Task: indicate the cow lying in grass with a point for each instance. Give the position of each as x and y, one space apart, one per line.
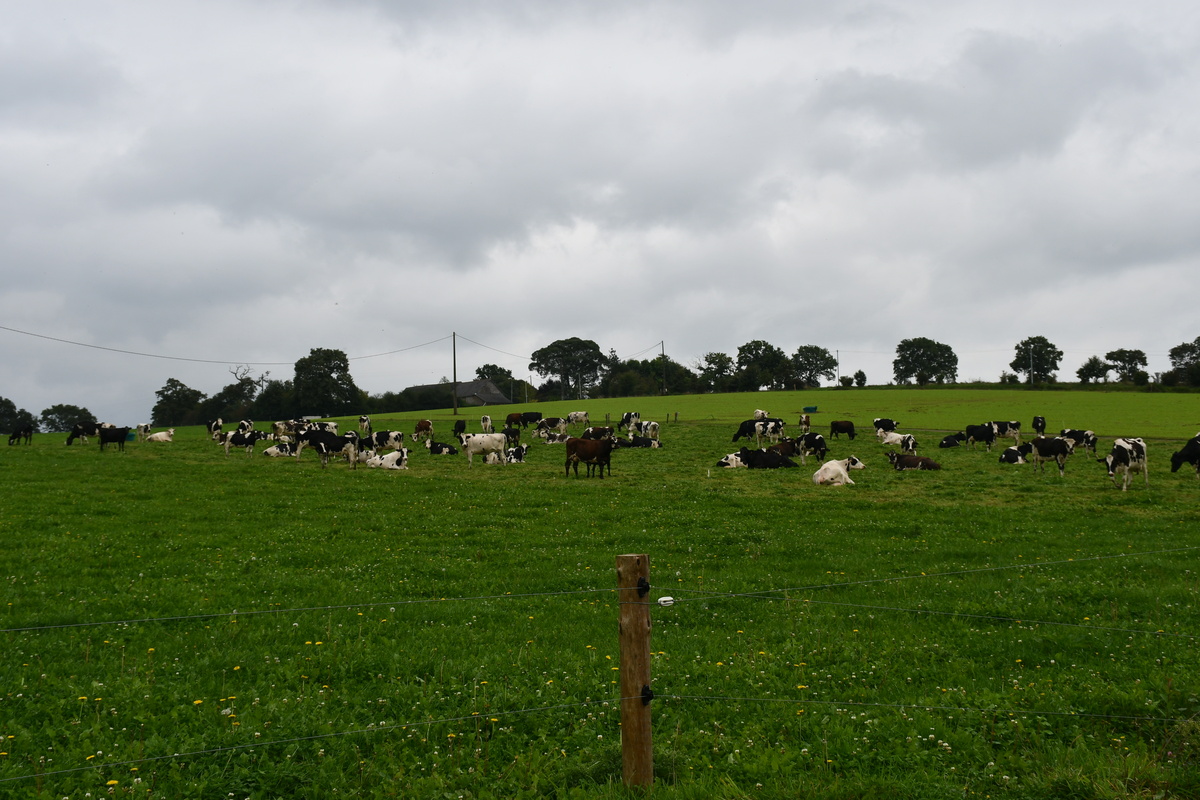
837 473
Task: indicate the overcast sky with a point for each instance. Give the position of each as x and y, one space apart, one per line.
240 181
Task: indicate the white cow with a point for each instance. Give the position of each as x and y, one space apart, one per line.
397 459
161 436
280 450
837 473
579 418
482 443
759 414
485 424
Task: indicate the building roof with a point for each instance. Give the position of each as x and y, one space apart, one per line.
473 393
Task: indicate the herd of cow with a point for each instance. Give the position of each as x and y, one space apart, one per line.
1127 457
594 446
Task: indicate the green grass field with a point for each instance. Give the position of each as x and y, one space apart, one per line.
178 623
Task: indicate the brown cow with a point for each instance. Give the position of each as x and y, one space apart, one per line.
593 452
840 426
597 432
513 420
424 430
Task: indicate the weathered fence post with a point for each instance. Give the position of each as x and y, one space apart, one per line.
633 586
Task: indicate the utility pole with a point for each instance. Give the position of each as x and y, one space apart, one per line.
663 349
454 369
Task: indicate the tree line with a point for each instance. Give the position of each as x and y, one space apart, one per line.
577 368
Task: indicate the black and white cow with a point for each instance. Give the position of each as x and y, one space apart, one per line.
474 444
885 424
82 430
1190 454
981 433
397 459
550 425
1085 439
905 441
511 435
756 459
557 438
1039 426
512 455
244 439
143 430
638 441
1017 454
645 428
364 424
812 444
485 424
579 418
245 425
953 440
440 448
1127 457
214 428
383 440
1056 450
630 417
1010 429
837 473
281 450
327 444
760 429
598 432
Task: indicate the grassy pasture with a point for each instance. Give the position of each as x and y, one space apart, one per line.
445 631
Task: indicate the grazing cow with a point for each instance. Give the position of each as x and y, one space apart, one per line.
162 436
805 423
638 441
481 444
1086 439
885 424
327 444
440 448
280 450
485 424
579 418
214 428
1017 454
630 417
901 461
550 424
558 438
769 428
244 439
592 452
513 420
423 430
530 418
953 440
512 436
841 426
1190 454
364 424
981 433
1127 457
1039 426
143 430
760 415
113 435
1008 430
645 428
598 432
812 444
25 433
397 459
82 430
460 426
380 440
837 473
1056 450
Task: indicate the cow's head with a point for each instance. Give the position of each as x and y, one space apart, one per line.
853 463
731 460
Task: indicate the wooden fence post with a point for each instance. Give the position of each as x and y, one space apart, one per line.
637 751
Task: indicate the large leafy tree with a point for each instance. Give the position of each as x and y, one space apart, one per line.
178 404
760 364
496 374
13 418
234 401
924 360
716 372
576 363
323 385
810 363
62 417
1094 369
1127 363
1037 358
1185 364
275 400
